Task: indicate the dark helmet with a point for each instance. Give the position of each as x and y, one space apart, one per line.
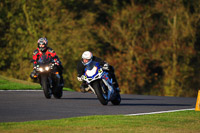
43 41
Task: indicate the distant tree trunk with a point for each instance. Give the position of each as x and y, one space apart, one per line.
174 56
30 28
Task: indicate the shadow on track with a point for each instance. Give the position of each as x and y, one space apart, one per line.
136 99
78 99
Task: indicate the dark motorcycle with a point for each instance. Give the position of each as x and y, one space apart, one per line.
101 83
49 78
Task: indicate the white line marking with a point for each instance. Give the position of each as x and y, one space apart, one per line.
159 112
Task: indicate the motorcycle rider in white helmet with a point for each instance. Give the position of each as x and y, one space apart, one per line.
87 58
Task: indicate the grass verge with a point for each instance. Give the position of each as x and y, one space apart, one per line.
15 84
176 122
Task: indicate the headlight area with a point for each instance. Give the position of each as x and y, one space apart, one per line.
41 69
47 68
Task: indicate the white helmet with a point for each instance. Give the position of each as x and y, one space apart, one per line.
87 55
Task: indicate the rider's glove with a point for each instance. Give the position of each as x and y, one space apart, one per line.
34 67
79 79
106 67
56 62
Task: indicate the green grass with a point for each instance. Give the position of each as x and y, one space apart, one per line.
8 85
176 122
15 84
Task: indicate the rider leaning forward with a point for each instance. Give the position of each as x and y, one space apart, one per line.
87 58
44 50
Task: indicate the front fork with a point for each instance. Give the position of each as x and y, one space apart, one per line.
110 89
91 88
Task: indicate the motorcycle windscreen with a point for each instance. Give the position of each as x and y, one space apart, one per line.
92 72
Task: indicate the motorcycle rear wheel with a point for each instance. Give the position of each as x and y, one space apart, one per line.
100 95
117 99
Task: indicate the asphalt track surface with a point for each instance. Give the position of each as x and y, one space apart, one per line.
19 106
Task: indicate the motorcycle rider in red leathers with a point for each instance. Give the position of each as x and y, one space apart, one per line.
41 50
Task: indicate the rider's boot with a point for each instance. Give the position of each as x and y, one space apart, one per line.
84 87
115 83
116 86
117 89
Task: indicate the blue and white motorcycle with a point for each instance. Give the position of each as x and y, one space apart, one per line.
101 83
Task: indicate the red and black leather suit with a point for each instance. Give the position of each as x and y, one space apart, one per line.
49 52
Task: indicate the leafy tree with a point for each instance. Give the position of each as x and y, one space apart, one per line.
153 44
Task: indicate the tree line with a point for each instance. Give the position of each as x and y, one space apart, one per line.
152 44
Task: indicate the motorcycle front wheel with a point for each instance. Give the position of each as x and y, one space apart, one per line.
45 86
100 94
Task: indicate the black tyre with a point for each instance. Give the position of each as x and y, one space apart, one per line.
100 95
45 86
117 99
58 92
57 89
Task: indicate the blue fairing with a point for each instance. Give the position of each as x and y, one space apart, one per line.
90 67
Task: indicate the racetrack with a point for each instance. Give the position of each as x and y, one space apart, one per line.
18 106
